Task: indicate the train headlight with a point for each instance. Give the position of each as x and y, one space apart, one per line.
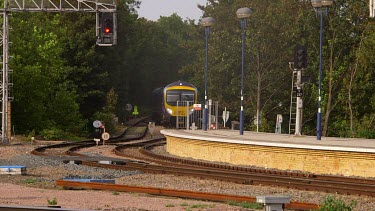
169 111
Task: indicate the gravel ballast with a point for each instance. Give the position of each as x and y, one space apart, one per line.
39 185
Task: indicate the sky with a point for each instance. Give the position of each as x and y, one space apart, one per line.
153 9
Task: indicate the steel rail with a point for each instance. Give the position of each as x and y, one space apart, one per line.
33 208
246 178
176 193
304 183
40 151
224 172
164 159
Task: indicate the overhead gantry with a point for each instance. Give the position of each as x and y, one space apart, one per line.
106 34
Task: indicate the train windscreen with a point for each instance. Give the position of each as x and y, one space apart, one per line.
187 96
179 95
173 96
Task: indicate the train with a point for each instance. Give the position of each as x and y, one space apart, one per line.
175 99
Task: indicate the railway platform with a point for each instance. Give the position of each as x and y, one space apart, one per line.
331 155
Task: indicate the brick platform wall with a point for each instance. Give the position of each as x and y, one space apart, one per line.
314 161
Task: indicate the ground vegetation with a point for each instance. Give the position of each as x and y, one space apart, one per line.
63 81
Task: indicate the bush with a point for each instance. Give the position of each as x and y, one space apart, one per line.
366 134
52 134
332 203
108 119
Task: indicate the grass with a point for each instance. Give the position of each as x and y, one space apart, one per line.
170 205
246 205
52 202
332 203
30 181
201 206
115 193
195 206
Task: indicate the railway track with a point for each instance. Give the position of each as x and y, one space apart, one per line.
176 193
162 164
66 148
247 175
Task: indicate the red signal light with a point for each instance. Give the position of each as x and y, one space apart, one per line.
107 30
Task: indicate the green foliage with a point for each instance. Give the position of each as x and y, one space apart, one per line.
184 204
30 181
341 128
111 101
62 80
31 134
43 92
366 134
115 193
245 205
52 134
52 202
202 206
107 118
331 203
169 205
366 127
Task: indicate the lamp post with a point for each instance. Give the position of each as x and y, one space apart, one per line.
206 23
321 7
242 14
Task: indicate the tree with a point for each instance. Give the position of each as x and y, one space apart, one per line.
271 34
344 32
40 75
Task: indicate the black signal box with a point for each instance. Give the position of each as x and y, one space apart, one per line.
300 57
106 29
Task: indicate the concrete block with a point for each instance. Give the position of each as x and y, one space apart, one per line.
273 203
13 170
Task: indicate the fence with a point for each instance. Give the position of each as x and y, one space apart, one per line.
193 117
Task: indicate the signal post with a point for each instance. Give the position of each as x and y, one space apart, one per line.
300 62
106 33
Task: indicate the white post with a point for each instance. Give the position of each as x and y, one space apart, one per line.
216 114
209 113
177 115
225 113
187 115
97 140
257 120
299 105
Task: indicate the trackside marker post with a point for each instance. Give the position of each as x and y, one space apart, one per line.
105 137
97 141
151 127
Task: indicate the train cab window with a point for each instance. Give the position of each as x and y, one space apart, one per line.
177 95
173 96
187 96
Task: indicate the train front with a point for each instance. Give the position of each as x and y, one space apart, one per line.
179 98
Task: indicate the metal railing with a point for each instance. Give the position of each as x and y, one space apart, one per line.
192 117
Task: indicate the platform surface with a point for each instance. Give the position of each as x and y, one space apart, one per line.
277 140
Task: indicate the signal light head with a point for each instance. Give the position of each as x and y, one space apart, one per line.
107 30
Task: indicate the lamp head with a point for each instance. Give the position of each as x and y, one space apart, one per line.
207 21
327 3
316 3
244 12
